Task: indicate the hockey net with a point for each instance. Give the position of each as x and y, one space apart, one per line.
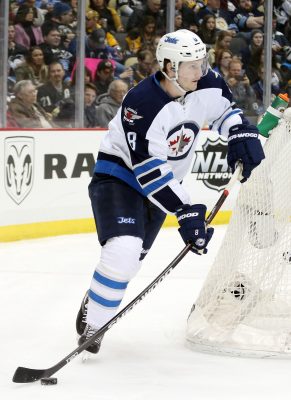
244 307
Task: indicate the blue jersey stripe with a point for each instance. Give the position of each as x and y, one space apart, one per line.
157 184
151 164
111 168
109 282
104 302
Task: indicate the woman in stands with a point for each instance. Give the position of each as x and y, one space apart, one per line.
26 34
34 67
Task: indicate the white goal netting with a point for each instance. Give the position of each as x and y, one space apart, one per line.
244 307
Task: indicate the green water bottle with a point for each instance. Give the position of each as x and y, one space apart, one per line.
274 112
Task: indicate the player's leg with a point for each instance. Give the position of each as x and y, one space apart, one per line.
154 218
119 215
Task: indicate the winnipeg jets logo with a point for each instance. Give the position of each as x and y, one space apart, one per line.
171 39
130 115
181 139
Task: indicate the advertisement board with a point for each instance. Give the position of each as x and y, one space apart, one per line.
44 177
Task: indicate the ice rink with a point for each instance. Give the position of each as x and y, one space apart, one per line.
143 356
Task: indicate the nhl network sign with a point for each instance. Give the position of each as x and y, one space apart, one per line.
210 164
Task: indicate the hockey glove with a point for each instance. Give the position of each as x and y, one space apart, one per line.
244 146
193 228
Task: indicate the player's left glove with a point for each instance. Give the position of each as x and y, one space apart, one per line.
244 146
193 227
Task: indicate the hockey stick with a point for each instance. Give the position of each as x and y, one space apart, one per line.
26 375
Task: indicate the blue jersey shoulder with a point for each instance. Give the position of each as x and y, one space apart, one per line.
142 104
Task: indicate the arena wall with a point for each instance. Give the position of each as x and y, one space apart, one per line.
44 177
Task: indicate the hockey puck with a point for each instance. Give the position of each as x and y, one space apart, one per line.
49 381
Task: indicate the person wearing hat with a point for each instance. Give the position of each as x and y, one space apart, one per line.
108 14
96 47
104 76
62 17
93 22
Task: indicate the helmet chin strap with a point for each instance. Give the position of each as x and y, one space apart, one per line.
175 82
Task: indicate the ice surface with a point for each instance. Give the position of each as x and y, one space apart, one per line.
143 356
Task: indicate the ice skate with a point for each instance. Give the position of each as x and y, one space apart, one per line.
81 319
94 347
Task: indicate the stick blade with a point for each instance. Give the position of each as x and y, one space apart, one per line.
26 375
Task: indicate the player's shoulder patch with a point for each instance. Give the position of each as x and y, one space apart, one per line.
142 104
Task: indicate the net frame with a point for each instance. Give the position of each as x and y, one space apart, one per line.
244 307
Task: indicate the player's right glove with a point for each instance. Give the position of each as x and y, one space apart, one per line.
244 146
193 227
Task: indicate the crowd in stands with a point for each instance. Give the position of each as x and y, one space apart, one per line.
120 44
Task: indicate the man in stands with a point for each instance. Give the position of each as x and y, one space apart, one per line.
24 111
109 103
51 93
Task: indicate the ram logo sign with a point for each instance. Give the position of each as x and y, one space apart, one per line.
19 165
210 164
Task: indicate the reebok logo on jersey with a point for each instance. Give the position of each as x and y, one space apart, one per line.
188 215
123 220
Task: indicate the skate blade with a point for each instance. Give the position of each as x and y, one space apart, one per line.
86 356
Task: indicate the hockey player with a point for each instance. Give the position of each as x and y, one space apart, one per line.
143 160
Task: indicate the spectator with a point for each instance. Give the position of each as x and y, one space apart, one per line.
207 30
247 18
153 8
256 42
178 21
38 15
26 34
33 68
65 116
93 23
16 52
61 17
142 38
96 47
24 111
222 62
87 76
280 44
258 86
108 15
254 65
223 41
223 18
143 68
188 16
242 92
54 50
51 93
104 76
90 114
109 103
133 42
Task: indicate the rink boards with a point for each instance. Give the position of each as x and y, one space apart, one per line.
44 177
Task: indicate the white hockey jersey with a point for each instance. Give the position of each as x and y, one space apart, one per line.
152 138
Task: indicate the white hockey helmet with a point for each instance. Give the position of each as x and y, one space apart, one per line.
179 46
